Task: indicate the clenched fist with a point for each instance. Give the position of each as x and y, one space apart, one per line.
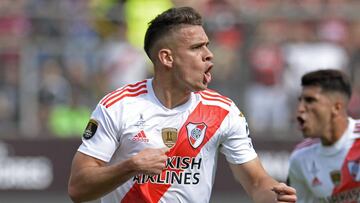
150 161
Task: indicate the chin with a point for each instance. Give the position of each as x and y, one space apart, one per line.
309 135
199 88
203 88
306 134
205 84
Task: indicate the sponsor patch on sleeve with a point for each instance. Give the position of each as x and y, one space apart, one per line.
241 114
90 129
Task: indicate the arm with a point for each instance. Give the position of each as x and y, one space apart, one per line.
91 178
259 185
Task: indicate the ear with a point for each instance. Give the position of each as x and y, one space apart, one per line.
165 57
337 107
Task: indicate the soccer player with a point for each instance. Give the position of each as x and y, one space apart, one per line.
157 140
325 166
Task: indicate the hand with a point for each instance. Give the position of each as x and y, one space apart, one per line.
150 161
284 193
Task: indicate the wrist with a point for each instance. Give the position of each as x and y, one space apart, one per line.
130 166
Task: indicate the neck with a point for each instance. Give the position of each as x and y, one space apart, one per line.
169 95
336 131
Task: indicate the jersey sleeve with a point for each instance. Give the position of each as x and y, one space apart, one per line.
236 144
101 141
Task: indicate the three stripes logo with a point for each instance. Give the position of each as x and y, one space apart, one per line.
140 137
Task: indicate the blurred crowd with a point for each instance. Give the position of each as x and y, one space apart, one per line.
58 58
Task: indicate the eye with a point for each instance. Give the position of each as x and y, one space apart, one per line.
309 99
200 45
197 46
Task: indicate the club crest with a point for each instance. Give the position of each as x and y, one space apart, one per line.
169 136
335 177
354 167
196 133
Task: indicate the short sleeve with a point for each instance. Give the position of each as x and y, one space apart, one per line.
100 137
236 144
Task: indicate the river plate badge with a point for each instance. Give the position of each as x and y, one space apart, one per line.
169 136
196 133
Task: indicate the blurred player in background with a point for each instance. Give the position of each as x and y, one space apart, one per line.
157 140
325 166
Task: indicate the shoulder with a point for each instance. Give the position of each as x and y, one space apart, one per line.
130 91
235 120
306 144
304 148
211 97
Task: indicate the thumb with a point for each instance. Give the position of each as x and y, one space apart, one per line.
165 149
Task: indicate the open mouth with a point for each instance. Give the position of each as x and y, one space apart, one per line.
301 122
207 77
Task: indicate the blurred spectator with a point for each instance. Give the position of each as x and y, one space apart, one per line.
81 38
65 99
69 120
334 30
138 14
45 20
227 39
94 54
9 98
54 89
310 7
354 65
305 52
120 62
257 8
354 105
14 27
266 104
7 110
355 50
79 76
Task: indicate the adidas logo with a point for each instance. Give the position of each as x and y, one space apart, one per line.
140 137
316 182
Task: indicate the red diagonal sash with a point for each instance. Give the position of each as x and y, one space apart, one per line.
348 182
212 116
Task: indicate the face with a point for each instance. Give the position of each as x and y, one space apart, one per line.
314 112
191 58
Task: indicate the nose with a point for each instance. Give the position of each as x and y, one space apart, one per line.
300 107
208 55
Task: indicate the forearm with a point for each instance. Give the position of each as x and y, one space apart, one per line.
92 182
91 178
256 182
262 190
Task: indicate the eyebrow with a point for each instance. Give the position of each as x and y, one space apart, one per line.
200 44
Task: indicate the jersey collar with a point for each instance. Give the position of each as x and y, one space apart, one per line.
180 108
340 144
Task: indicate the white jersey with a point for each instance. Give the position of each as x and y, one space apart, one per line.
328 173
131 118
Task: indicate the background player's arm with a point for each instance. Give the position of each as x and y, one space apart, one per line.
259 185
92 178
